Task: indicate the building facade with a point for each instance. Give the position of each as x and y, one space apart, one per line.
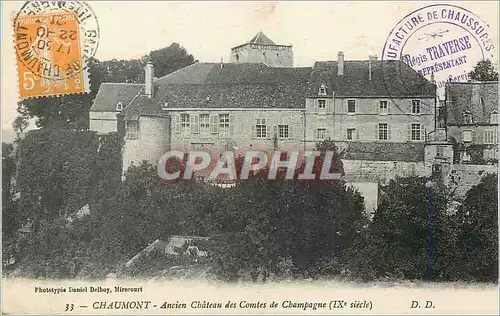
261 49
254 105
472 121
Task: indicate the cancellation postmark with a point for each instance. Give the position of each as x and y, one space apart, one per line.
53 43
441 42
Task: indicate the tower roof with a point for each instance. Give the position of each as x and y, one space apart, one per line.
262 39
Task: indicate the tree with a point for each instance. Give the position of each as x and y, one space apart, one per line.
477 240
72 111
19 125
279 226
10 221
484 71
395 245
170 59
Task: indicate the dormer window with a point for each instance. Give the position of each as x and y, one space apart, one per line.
467 117
119 107
494 117
322 90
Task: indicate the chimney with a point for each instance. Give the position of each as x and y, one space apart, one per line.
476 95
148 84
221 63
340 64
371 58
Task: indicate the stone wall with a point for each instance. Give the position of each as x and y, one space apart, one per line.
366 118
241 132
462 177
103 122
383 171
152 142
271 55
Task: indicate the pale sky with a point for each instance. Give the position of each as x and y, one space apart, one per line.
208 30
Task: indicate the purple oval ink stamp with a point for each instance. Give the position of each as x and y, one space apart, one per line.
443 41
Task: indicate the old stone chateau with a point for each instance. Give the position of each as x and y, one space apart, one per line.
387 125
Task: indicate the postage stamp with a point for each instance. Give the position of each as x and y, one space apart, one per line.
49 57
53 42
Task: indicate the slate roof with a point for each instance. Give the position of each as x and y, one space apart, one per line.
236 95
142 105
110 94
246 85
193 74
262 39
479 98
382 151
255 85
389 78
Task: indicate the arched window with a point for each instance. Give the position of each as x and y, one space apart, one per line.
119 106
467 117
494 117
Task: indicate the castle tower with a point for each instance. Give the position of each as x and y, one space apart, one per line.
261 49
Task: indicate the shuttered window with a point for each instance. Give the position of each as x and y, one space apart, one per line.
204 123
490 137
383 131
351 134
415 106
322 106
415 132
467 136
132 130
185 124
224 124
261 128
351 106
321 133
383 107
214 124
195 123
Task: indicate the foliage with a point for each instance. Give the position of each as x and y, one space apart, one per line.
72 111
477 240
170 59
484 71
10 221
399 233
57 249
395 245
263 223
261 229
54 172
19 125
476 153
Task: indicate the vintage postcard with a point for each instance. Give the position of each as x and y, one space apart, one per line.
289 157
